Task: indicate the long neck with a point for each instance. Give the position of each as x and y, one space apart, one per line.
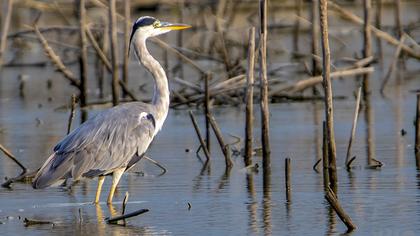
161 90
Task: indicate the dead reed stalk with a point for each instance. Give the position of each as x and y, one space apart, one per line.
5 29
335 204
72 111
417 143
379 33
378 24
393 65
398 25
223 145
200 138
323 10
265 122
316 64
288 173
208 77
127 23
114 51
83 54
249 109
353 127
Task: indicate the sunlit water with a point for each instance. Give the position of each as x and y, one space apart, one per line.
384 201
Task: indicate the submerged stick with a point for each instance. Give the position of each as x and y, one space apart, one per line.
265 122
29 222
326 61
5 29
249 109
114 51
200 138
72 111
114 220
223 145
157 164
335 204
353 127
288 179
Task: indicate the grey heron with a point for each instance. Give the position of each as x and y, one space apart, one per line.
114 140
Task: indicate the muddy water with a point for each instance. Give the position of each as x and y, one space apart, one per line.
381 202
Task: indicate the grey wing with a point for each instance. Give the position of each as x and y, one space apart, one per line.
100 145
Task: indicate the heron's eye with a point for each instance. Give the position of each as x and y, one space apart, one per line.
156 24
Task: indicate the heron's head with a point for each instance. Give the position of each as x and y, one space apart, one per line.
147 26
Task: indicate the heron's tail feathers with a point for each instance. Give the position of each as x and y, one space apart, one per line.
55 168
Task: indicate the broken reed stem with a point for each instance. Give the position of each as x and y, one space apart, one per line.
83 54
5 29
288 179
323 9
393 64
249 109
379 33
200 138
335 204
353 127
13 158
208 77
417 143
325 165
72 111
114 51
127 15
55 59
316 66
265 126
223 145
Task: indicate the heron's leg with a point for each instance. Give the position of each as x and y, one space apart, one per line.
99 188
116 176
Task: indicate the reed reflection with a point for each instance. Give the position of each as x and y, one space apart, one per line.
252 205
267 201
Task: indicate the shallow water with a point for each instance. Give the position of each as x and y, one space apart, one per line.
385 201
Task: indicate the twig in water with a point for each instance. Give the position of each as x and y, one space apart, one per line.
29 222
288 178
335 204
200 138
124 203
314 167
157 164
114 220
223 145
249 109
